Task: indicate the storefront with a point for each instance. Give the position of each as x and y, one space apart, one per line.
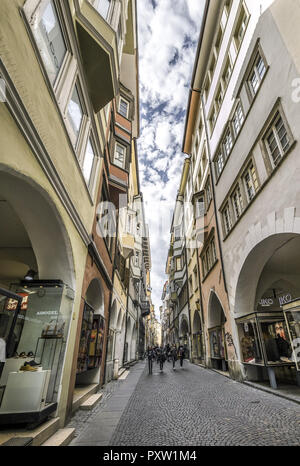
218 353
266 346
35 333
291 313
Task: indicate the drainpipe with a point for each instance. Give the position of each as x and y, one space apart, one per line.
213 189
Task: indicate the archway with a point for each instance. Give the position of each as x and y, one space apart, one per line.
215 324
184 338
33 236
128 340
91 349
263 334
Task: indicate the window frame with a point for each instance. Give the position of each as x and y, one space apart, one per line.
123 167
119 107
278 114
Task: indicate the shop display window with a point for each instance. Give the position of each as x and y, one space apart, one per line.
36 335
91 340
276 342
249 341
217 345
292 317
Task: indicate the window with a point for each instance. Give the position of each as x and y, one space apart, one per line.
75 115
102 6
227 72
196 278
178 263
209 258
137 259
208 192
200 207
277 139
227 142
50 40
238 119
219 163
88 162
256 75
241 28
227 219
237 202
251 182
123 108
120 154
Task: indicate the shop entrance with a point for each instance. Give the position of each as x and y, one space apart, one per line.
91 342
184 336
216 330
198 352
265 339
36 264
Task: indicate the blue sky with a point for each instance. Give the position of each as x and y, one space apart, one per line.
168 37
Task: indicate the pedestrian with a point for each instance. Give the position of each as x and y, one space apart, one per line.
150 356
168 352
174 355
161 358
181 355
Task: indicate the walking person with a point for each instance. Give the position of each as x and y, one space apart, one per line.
181 355
174 355
150 356
161 358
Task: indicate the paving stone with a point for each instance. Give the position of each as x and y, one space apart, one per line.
192 406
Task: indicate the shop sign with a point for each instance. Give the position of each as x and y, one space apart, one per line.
12 304
266 302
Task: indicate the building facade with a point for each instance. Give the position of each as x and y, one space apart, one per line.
241 136
69 177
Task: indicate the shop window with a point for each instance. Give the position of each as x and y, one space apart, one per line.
35 337
178 264
292 317
91 341
276 342
249 341
217 344
277 140
120 155
49 38
208 193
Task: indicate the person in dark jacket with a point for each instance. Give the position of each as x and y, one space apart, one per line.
181 355
174 355
161 357
150 356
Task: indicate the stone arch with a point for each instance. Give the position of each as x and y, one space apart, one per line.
216 314
254 265
196 327
37 213
94 296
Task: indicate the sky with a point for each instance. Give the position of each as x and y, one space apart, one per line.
168 37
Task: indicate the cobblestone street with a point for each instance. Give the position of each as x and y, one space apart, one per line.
189 406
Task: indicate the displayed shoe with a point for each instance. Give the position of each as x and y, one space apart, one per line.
32 363
30 354
22 355
28 368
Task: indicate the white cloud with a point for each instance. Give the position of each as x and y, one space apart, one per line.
168 37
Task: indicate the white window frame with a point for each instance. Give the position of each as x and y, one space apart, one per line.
227 219
117 143
238 117
127 109
250 187
273 131
255 73
237 202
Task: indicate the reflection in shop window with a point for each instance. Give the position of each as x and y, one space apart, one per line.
277 346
